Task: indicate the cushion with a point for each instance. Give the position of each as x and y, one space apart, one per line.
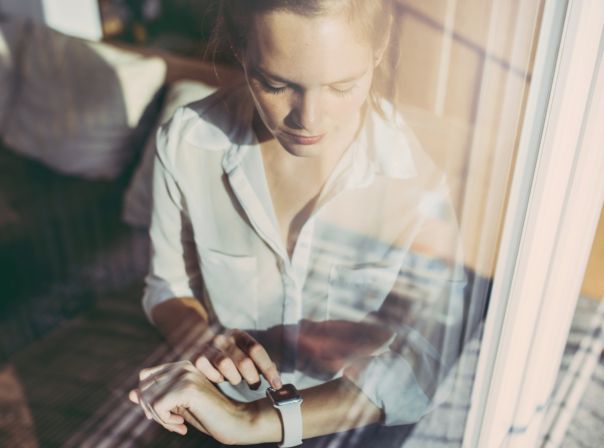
35 200
11 35
79 103
138 198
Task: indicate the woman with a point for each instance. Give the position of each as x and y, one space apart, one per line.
300 236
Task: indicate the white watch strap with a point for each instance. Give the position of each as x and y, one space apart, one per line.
291 417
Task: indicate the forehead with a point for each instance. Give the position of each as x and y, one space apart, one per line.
305 49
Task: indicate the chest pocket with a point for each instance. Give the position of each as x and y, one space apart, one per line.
231 283
356 291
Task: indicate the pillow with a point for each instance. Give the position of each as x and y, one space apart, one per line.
138 197
79 103
11 34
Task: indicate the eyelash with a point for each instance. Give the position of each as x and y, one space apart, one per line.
274 90
279 90
343 92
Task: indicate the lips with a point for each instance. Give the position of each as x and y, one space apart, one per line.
304 139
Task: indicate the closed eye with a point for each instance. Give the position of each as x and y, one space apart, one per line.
343 91
269 87
273 89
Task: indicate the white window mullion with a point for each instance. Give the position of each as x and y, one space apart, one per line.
577 226
539 267
493 345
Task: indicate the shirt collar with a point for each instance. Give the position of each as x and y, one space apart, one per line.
389 146
382 148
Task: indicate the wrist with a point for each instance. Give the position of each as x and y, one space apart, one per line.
264 423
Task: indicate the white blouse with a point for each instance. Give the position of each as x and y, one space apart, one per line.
381 244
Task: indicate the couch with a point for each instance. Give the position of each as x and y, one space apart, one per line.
77 126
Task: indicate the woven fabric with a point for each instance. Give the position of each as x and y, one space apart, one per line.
78 103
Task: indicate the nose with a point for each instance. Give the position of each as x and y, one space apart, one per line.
306 112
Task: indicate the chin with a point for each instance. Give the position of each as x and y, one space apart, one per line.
306 151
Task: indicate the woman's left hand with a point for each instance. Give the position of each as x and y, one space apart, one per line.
175 392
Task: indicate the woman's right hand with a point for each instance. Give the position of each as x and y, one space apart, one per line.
175 393
234 355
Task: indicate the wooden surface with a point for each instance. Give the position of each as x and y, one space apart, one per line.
467 66
593 284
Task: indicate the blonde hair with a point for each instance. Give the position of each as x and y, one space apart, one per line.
373 17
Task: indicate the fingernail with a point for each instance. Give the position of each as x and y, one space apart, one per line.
255 386
276 382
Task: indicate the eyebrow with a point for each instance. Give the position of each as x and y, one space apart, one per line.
267 74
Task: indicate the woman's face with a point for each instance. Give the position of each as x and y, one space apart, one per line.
309 77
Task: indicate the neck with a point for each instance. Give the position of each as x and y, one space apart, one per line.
318 167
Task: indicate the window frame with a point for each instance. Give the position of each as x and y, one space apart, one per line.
553 208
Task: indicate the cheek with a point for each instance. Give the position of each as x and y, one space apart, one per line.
342 108
273 108
349 105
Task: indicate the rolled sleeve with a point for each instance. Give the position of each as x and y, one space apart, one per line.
389 382
425 312
174 268
404 378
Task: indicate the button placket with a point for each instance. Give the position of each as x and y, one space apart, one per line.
292 300
291 318
301 256
254 210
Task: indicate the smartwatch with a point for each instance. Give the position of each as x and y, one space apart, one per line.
287 401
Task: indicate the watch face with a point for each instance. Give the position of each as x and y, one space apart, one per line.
286 395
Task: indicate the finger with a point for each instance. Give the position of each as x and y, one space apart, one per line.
272 375
204 365
148 415
133 396
169 409
180 428
145 407
148 410
244 364
174 419
172 422
224 365
192 420
146 373
259 356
